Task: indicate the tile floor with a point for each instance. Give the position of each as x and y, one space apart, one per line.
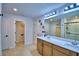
21 50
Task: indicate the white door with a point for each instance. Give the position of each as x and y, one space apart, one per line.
5 33
0 35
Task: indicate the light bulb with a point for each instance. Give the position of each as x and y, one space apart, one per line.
15 9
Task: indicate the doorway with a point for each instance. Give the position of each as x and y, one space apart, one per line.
20 33
58 28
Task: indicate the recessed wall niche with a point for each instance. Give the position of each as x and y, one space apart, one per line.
43 27
43 31
39 21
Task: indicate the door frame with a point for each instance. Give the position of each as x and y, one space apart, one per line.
24 30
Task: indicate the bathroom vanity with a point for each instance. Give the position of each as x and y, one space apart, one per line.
62 35
55 46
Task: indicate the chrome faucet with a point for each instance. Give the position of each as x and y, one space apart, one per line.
75 42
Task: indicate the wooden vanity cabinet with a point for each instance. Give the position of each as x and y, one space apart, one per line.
39 46
59 51
73 53
78 54
47 49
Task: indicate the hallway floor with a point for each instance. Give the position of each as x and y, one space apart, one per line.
21 50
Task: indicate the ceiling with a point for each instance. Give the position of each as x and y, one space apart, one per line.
30 9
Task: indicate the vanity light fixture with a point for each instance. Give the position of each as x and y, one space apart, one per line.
50 14
72 6
77 4
47 15
54 13
15 9
66 8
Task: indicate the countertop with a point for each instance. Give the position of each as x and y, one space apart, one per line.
60 42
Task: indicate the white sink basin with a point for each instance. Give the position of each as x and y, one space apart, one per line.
62 42
72 45
65 43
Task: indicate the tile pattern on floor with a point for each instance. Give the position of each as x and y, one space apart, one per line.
21 50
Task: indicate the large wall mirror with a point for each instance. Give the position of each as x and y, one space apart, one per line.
71 25
65 26
53 26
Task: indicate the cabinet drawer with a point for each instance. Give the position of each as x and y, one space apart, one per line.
63 50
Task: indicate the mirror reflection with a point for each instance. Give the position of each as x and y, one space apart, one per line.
66 27
53 26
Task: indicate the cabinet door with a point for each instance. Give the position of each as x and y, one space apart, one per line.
73 53
57 53
63 50
39 46
47 49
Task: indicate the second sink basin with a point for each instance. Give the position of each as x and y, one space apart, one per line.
72 44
